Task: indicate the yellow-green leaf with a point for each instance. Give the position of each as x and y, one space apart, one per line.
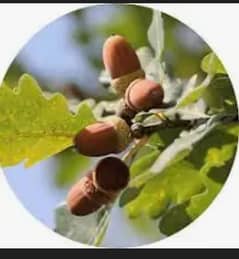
212 65
70 165
213 157
175 184
33 127
192 97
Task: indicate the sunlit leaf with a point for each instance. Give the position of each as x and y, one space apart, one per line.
184 142
193 96
175 184
128 195
33 127
145 56
220 96
70 164
146 157
140 165
156 33
212 65
213 156
178 150
88 229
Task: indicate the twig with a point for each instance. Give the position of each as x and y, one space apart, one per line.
167 123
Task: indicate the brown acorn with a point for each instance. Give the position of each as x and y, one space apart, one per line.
99 187
111 175
84 198
122 62
111 135
144 94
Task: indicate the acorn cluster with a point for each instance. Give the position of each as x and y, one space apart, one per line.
99 187
113 134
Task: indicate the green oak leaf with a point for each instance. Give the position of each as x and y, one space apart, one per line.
174 220
88 229
175 151
70 164
213 156
142 164
156 33
185 188
145 157
219 96
231 129
185 142
181 215
212 65
33 127
193 96
128 195
145 56
175 184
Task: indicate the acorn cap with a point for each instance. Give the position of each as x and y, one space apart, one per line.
111 175
144 94
120 84
84 197
123 132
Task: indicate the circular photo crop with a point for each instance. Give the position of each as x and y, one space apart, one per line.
118 126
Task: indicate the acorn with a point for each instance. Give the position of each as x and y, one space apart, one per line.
122 63
99 187
84 198
111 135
144 94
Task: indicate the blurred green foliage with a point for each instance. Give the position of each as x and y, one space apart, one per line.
34 127
220 96
214 156
13 74
70 165
130 21
182 191
182 60
133 22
